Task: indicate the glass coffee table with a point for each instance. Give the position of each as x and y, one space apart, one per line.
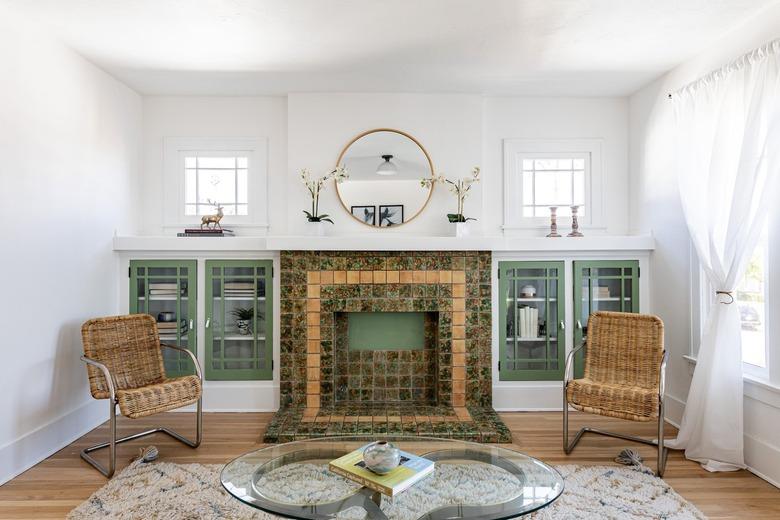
469 481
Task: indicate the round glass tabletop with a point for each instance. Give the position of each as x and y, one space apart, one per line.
469 481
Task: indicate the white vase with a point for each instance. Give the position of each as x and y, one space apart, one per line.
462 229
315 229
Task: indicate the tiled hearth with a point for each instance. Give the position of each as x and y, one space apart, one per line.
443 390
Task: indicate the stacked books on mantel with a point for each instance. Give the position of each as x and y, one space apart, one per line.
239 289
169 328
411 470
206 232
163 289
529 322
601 291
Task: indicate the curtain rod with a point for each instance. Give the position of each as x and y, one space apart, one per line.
749 57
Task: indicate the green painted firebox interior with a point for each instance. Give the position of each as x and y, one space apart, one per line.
386 330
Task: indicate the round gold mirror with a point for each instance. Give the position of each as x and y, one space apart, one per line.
385 167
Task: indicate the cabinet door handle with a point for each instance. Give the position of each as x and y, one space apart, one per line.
191 324
579 324
563 326
208 322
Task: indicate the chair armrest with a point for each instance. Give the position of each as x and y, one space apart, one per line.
192 357
569 362
106 374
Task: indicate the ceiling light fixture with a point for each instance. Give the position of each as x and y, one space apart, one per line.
386 167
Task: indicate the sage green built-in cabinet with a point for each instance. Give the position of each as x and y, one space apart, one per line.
167 289
602 285
234 350
239 347
531 320
532 310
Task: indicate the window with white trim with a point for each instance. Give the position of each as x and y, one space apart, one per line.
211 179
540 174
201 173
751 296
758 309
554 180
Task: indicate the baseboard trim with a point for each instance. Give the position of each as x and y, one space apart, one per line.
19 455
765 455
527 396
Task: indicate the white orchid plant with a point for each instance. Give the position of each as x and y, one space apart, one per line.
460 188
315 186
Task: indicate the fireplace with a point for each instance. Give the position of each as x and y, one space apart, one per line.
443 388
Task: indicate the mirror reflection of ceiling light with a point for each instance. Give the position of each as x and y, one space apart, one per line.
387 167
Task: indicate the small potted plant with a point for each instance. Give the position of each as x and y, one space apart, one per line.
460 188
315 186
244 317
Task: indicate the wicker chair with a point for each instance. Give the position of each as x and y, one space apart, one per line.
625 365
125 365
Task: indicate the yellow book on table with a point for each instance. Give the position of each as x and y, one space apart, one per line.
411 470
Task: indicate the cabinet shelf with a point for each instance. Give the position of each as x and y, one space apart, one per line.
521 300
512 339
163 298
609 299
240 298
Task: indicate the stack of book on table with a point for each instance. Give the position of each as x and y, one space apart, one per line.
163 289
206 232
411 470
240 289
169 328
529 322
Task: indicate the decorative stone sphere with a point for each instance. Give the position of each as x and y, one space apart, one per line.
381 457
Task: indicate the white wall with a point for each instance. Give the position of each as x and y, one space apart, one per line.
458 131
449 126
558 118
69 153
219 117
656 207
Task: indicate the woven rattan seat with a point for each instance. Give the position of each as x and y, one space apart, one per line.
160 397
623 402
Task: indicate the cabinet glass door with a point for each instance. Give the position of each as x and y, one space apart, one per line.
531 320
239 340
166 289
602 285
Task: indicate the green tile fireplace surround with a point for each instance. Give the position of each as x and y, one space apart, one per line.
443 388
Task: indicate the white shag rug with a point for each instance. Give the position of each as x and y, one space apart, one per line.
167 491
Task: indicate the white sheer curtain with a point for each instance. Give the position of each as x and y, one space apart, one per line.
728 161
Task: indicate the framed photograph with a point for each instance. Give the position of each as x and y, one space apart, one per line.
391 215
365 214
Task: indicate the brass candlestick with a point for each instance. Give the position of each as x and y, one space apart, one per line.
575 225
553 222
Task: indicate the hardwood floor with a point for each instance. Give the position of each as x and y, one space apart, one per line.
61 482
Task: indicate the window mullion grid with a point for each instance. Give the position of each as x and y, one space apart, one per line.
533 187
235 185
197 185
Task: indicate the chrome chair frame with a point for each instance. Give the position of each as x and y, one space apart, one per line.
112 404
662 451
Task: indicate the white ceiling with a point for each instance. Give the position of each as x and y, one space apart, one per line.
504 47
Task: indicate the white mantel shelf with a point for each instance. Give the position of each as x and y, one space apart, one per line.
376 242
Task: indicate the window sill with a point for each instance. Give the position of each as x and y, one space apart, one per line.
758 388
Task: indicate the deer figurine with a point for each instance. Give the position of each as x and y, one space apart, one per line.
208 220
